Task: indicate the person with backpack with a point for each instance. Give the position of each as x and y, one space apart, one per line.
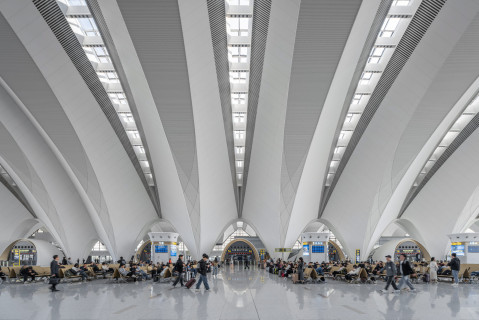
179 269
202 270
391 273
455 265
405 271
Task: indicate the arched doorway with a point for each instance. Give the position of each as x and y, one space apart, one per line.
413 250
22 252
334 252
240 250
144 252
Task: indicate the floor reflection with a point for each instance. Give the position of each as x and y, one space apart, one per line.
236 294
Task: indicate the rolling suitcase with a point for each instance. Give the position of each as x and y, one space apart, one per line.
190 283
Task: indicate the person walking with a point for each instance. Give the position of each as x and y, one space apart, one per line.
433 270
246 264
55 273
455 265
405 271
391 273
202 271
215 267
179 269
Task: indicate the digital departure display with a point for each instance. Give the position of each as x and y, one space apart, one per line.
161 249
317 249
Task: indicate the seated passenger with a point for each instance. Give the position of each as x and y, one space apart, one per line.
95 267
377 268
105 268
3 276
355 272
319 271
27 272
140 272
79 272
122 270
341 270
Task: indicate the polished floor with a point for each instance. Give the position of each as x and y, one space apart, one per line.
236 294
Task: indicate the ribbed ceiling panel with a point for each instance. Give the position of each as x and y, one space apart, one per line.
462 65
259 35
60 27
156 31
463 61
421 21
216 14
105 33
322 32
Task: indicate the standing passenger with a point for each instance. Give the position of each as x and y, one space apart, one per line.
301 270
433 270
55 273
455 265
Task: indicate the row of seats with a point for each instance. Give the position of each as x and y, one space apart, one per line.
43 273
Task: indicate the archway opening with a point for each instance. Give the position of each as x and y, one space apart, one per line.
22 253
240 250
239 230
414 251
99 253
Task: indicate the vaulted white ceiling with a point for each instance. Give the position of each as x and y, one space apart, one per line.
118 116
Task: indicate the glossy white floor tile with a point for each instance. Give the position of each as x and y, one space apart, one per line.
236 295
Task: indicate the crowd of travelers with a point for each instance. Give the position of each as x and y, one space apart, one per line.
389 271
185 273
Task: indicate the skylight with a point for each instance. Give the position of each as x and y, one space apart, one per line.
239 15
85 26
389 26
377 61
461 122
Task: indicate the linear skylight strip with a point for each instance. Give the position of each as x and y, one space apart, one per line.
459 124
84 26
239 15
387 39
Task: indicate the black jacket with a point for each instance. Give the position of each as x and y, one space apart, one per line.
203 267
55 268
406 268
179 266
455 264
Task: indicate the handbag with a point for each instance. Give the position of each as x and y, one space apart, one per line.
54 280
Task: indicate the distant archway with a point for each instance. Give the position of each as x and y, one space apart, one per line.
340 252
424 252
255 252
391 247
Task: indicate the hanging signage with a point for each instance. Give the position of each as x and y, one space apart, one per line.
305 249
161 249
458 248
282 249
358 255
473 249
173 250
